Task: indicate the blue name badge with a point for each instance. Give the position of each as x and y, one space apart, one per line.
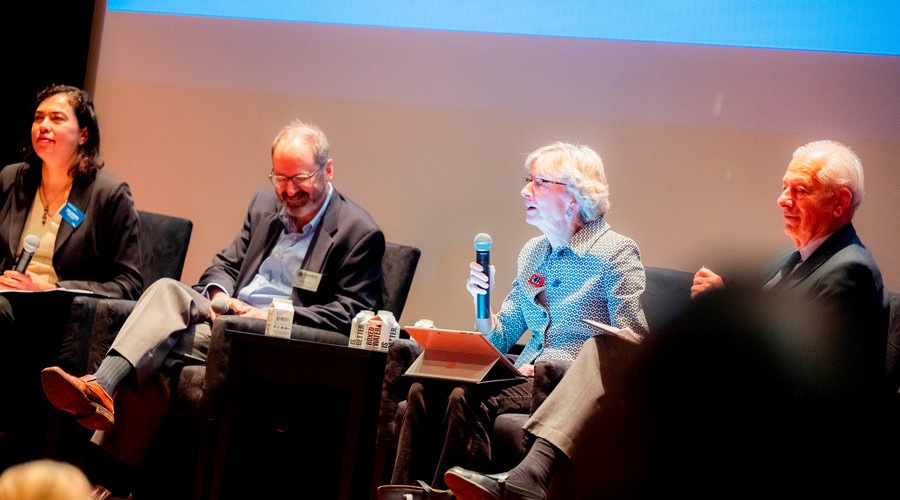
71 214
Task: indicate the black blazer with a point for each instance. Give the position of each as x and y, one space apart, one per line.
841 266
347 250
102 254
842 276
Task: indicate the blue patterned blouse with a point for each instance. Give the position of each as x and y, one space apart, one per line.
598 275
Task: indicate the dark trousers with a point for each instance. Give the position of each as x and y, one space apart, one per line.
7 317
446 425
32 337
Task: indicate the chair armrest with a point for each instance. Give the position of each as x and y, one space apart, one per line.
75 347
547 375
111 315
401 355
91 327
893 343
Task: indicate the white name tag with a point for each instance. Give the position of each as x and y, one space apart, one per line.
307 280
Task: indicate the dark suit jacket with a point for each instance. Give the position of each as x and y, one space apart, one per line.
842 275
102 254
347 250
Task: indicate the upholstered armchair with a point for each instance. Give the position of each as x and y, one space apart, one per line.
93 322
892 363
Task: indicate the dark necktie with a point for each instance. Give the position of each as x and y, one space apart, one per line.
787 269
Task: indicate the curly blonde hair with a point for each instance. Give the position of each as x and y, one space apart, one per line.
581 168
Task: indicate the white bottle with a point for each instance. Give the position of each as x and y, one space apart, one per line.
280 318
358 329
390 327
424 323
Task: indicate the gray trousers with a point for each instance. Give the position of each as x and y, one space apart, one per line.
594 385
169 324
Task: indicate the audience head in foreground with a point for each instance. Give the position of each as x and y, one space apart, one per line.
44 480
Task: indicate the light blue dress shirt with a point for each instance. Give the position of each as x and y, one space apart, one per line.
276 274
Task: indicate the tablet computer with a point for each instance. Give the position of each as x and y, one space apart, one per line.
460 356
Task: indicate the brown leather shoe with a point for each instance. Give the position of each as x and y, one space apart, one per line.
82 397
101 493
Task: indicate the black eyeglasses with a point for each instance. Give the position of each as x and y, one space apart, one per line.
299 180
541 183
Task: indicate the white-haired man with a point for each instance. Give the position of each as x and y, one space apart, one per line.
820 193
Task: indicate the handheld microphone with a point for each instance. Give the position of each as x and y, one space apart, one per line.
483 258
220 306
29 246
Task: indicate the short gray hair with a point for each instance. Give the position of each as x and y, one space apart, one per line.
313 135
581 168
837 166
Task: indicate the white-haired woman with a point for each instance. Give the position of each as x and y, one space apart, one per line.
578 269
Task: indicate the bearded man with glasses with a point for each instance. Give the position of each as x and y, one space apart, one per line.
303 240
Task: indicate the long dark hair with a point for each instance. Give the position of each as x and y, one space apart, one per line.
87 159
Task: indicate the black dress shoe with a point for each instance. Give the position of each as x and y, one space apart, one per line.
469 485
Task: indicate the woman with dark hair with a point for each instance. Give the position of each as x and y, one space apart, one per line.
87 231
83 218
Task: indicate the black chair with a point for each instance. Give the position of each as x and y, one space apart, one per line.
164 245
94 322
893 345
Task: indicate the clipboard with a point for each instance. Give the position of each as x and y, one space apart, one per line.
460 356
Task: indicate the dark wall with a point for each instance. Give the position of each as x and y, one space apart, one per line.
43 43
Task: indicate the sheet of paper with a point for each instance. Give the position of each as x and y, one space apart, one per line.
74 291
622 333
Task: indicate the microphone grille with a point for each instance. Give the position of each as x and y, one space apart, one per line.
31 243
220 305
483 242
